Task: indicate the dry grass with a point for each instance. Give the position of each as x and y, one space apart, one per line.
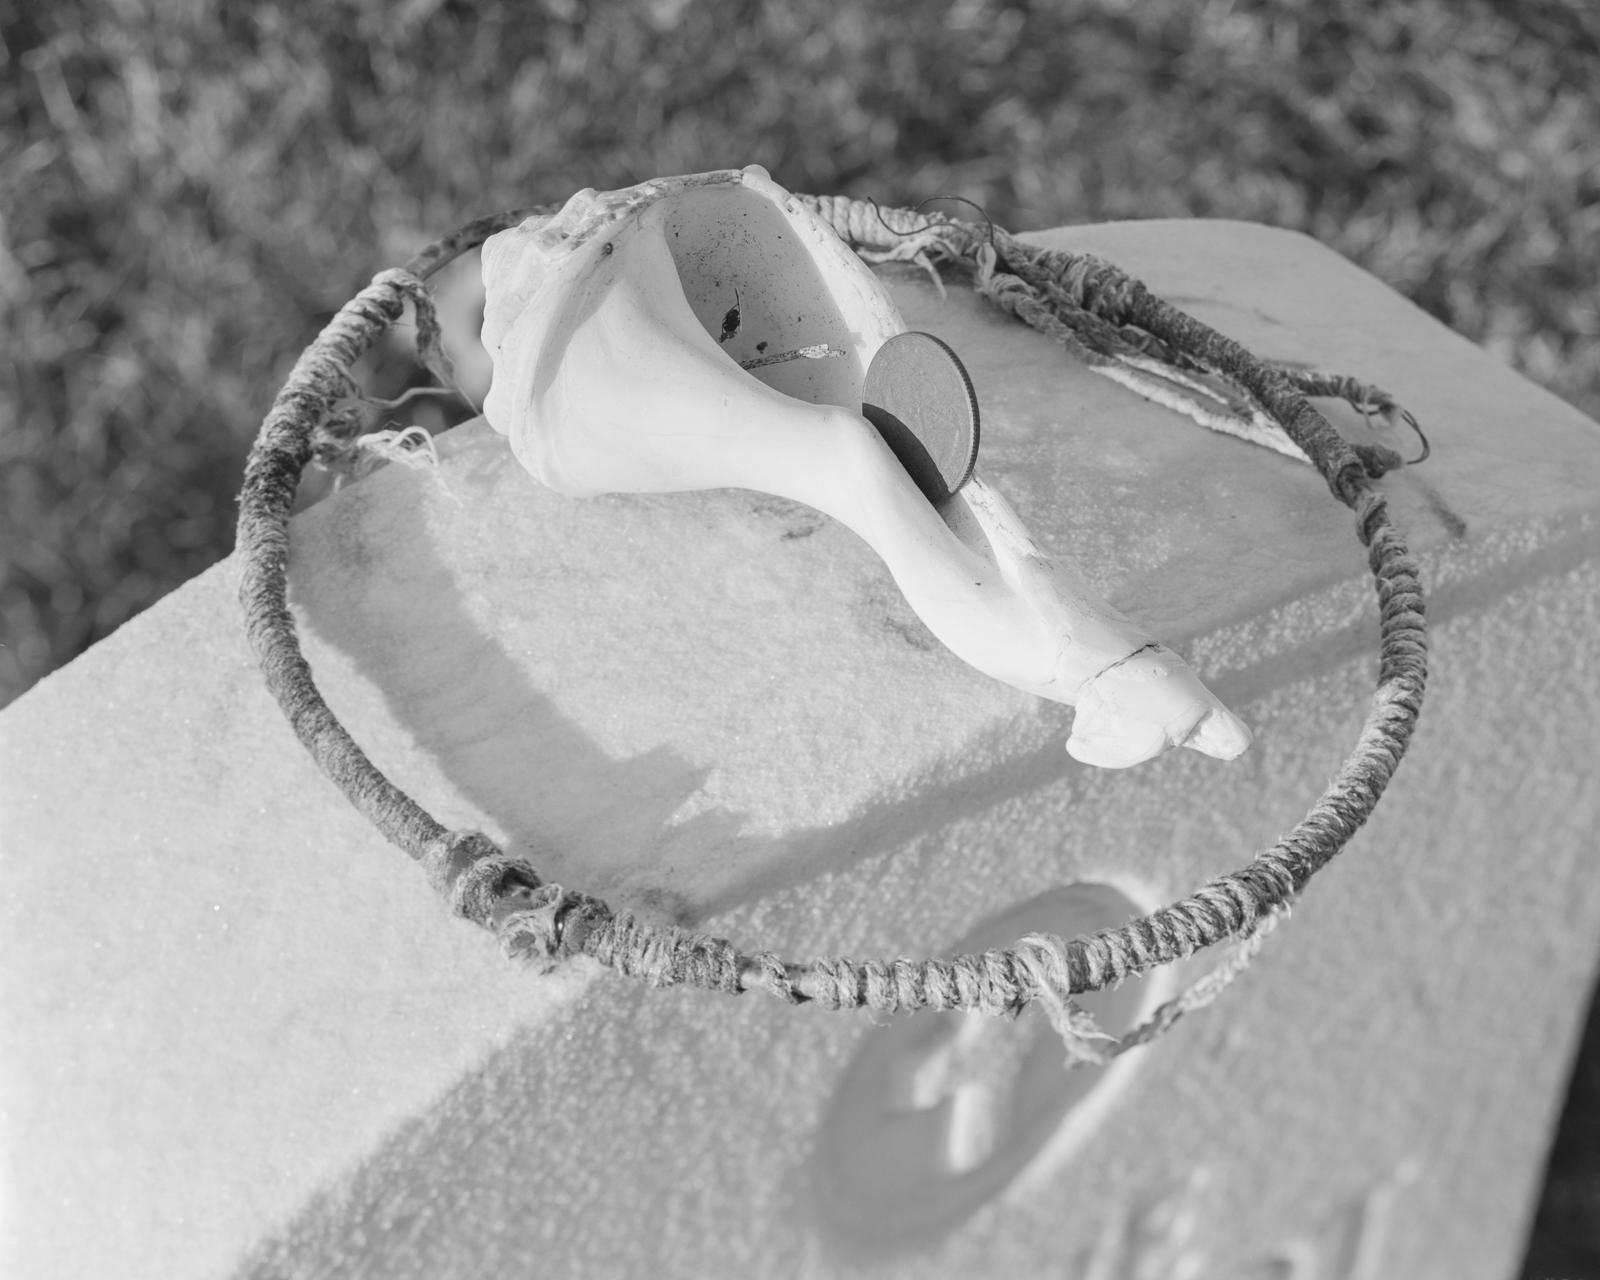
190 187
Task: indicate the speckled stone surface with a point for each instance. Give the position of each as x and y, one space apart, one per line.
241 1036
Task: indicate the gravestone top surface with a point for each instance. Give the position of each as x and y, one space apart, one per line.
224 993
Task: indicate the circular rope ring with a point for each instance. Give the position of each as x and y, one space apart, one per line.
1061 294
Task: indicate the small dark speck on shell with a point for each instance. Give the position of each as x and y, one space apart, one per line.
730 321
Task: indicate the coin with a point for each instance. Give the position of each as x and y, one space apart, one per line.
919 397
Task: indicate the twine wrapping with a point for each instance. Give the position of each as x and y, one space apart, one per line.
1100 315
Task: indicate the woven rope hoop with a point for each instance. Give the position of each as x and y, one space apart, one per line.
1098 313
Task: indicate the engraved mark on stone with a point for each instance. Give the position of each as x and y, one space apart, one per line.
938 1112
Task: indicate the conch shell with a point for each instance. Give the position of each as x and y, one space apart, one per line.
618 330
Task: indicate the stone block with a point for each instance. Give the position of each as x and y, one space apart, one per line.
243 1037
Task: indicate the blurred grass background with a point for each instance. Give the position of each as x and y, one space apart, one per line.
189 188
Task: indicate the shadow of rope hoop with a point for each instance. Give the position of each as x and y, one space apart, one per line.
1096 312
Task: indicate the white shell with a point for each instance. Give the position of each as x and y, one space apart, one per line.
603 325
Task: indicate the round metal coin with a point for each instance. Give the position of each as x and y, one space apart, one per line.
917 393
